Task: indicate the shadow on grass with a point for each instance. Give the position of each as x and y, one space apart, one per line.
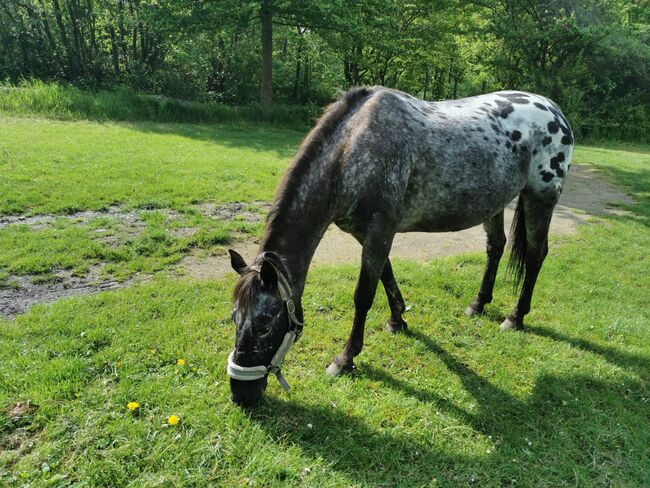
255 137
560 434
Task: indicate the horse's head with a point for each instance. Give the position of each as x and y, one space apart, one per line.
261 314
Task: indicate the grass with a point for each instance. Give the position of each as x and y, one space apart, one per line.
140 166
454 403
65 166
123 104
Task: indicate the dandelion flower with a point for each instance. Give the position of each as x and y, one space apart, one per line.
181 362
173 420
133 406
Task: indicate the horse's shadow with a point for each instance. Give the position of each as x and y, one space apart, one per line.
526 430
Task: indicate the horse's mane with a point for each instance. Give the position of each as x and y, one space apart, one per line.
310 147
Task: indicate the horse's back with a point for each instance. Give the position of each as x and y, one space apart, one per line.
450 165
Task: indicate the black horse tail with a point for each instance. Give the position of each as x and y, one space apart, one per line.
517 261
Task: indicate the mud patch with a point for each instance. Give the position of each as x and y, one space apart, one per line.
249 212
128 218
133 220
21 291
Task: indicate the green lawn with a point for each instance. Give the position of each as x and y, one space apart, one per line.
454 403
57 167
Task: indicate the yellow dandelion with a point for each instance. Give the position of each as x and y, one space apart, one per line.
181 362
173 420
133 406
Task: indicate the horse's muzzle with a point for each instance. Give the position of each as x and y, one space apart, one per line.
247 393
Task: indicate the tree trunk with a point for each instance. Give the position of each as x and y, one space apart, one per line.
114 52
266 17
72 68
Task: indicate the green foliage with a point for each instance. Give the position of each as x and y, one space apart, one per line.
592 56
123 104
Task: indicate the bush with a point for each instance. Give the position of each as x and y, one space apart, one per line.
123 104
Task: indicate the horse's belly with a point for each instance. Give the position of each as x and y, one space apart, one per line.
437 207
436 221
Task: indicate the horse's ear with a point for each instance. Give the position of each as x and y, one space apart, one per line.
268 274
236 261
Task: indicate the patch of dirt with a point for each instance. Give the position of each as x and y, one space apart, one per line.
249 212
21 291
586 190
132 219
129 218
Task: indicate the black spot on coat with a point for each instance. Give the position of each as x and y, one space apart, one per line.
567 139
555 161
540 106
553 127
546 141
547 176
503 109
516 135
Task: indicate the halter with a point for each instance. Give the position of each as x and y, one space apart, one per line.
250 373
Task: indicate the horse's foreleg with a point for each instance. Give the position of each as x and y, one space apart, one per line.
538 218
496 241
395 301
376 247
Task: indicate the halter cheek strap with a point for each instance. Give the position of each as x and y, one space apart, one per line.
251 373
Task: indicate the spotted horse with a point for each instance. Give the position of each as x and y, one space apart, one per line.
379 162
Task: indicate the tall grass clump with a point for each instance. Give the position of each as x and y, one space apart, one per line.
123 104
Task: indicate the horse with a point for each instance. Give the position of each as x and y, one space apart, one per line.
378 162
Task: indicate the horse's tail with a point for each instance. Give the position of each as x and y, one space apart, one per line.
517 262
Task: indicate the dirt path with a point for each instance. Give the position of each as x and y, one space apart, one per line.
586 193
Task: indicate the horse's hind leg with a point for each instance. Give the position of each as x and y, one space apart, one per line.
496 241
531 238
376 247
395 301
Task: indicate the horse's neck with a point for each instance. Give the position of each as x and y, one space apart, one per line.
295 231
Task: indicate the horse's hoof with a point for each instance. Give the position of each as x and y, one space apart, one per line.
335 369
509 324
395 326
473 309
